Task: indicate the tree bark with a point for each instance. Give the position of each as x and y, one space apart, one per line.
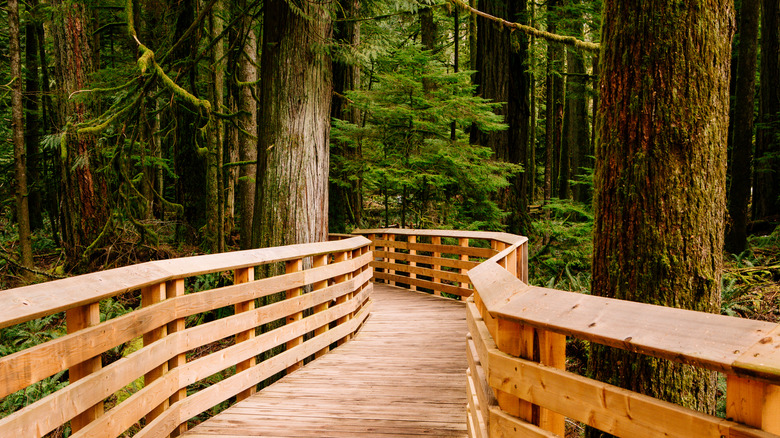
293 160
502 77
17 128
346 200
766 181
215 233
32 131
660 177
554 116
247 145
85 192
742 122
575 145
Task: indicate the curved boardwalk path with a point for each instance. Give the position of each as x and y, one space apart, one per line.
403 375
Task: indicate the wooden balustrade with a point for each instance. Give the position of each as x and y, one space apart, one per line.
163 405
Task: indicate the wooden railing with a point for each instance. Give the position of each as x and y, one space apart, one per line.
517 383
336 275
519 387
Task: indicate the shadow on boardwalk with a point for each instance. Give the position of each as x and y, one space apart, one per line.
403 375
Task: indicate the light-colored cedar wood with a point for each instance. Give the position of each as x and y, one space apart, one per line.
756 404
35 301
151 295
716 342
762 359
437 263
504 425
605 407
511 263
472 251
401 376
77 319
31 365
517 340
552 352
412 264
391 248
464 242
450 289
474 409
317 262
290 267
45 415
509 239
484 392
173 289
132 409
522 262
483 341
428 272
499 247
245 275
340 258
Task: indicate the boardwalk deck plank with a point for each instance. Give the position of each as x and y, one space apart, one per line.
403 375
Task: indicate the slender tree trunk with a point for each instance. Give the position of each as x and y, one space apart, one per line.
502 81
296 88
215 232
346 201
17 127
247 145
742 122
554 116
530 165
52 192
473 37
660 177
85 193
766 182
32 131
576 138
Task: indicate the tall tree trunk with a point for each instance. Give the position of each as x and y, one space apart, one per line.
17 127
247 144
189 164
296 88
660 177
215 232
32 131
530 164
554 116
576 138
85 193
346 200
766 182
473 50
52 192
742 122
501 77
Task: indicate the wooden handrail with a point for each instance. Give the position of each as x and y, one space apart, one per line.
163 400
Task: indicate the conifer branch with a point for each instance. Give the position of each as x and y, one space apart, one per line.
532 31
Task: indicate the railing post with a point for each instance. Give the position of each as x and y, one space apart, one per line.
290 267
522 262
753 403
338 258
390 259
76 319
175 288
412 240
436 240
152 295
464 242
244 275
319 261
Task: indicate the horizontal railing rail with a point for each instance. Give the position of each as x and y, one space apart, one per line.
437 261
518 385
336 276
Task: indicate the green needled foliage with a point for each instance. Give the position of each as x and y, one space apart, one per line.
410 164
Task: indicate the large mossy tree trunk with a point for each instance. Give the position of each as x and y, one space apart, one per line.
346 199
553 130
766 182
292 173
85 195
660 177
742 126
502 77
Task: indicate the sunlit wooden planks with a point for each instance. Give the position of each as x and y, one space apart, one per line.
401 376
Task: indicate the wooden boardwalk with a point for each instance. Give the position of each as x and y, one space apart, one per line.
403 375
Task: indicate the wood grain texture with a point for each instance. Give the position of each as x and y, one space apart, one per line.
38 300
401 376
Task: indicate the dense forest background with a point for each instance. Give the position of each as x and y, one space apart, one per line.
151 129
